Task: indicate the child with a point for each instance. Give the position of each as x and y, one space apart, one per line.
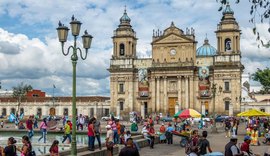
54 148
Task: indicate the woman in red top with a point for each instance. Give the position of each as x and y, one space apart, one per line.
54 148
152 135
91 135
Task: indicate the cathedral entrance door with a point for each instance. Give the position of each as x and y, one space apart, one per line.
171 108
206 108
52 111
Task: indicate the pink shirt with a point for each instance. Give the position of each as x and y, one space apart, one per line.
43 125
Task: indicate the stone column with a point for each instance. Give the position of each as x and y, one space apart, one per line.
186 93
131 93
153 94
118 109
95 110
203 107
165 104
191 93
179 90
158 94
142 110
176 108
230 109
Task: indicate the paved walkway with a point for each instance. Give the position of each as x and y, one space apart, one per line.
217 143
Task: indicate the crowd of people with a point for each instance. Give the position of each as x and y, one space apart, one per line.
117 134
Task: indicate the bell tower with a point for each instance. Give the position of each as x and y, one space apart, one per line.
228 33
124 39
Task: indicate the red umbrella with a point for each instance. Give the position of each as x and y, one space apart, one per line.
188 113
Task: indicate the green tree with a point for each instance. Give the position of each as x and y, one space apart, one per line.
259 12
19 93
263 76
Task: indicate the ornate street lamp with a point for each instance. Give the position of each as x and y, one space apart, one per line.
87 39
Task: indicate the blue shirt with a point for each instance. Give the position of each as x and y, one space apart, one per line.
169 129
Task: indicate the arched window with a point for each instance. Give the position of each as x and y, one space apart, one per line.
122 49
121 103
12 111
4 111
228 44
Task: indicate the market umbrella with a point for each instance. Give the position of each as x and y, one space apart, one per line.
253 112
188 113
177 114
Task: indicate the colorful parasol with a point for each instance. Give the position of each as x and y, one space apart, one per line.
177 114
253 112
188 113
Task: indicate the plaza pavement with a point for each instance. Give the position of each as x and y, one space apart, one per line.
217 143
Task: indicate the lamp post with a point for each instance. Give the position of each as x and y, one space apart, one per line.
86 38
214 91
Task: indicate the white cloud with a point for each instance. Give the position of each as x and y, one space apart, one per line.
40 62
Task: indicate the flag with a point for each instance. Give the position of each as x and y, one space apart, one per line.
54 86
12 117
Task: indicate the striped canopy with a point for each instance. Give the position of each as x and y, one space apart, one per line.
177 114
188 113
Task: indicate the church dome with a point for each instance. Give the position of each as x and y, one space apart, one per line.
206 49
125 18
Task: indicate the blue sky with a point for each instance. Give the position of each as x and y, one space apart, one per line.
30 51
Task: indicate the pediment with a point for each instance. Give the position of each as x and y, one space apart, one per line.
173 38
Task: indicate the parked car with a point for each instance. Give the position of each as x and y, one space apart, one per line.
108 117
221 118
167 119
204 119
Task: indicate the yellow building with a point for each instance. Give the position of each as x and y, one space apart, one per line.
178 75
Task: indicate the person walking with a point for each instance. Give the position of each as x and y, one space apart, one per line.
54 149
29 126
43 128
231 149
67 132
35 122
129 150
228 127
91 135
204 144
97 129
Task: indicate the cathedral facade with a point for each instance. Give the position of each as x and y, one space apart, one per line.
178 75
